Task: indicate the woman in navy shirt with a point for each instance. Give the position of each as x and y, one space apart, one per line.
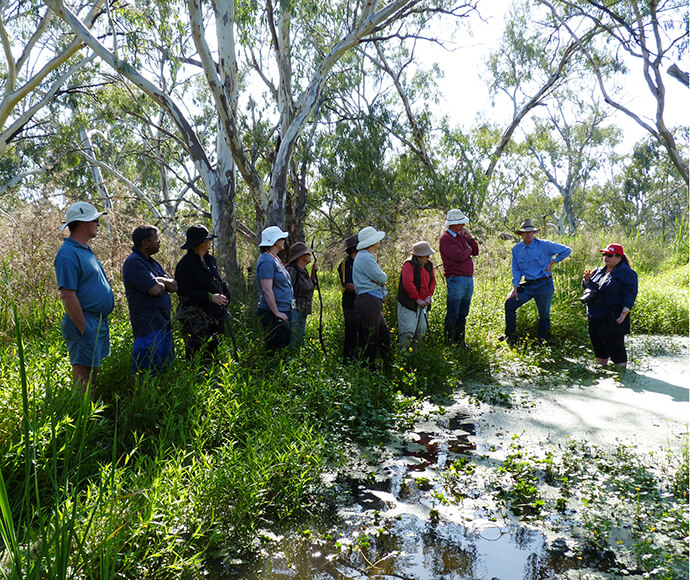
610 293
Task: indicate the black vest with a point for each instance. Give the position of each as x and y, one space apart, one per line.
403 297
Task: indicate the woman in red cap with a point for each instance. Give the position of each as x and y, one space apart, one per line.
610 293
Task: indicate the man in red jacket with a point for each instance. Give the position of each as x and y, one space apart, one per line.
457 246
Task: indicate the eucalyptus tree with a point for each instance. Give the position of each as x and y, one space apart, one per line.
649 196
569 144
306 41
37 66
653 33
531 63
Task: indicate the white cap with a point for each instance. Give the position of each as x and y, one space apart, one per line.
81 211
271 235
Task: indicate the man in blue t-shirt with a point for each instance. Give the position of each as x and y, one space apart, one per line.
532 260
148 288
85 293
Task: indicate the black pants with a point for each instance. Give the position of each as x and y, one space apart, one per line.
375 333
351 341
608 340
278 333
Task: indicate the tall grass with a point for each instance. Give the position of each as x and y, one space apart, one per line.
168 477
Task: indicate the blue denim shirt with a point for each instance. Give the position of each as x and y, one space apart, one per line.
367 277
531 260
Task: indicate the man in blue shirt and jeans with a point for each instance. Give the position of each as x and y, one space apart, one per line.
148 289
533 259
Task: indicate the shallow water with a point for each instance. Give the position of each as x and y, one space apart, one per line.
388 527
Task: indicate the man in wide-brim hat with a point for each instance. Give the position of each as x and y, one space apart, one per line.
533 260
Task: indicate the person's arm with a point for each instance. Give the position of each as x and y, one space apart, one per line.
629 284
558 253
472 241
453 253
269 296
517 276
408 283
73 308
374 272
162 285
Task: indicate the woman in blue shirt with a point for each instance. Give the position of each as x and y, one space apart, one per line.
610 293
275 301
370 286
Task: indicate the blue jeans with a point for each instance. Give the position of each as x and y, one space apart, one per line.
299 327
542 292
458 299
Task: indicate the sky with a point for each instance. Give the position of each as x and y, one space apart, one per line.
465 94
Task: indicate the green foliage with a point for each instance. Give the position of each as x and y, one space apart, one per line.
156 478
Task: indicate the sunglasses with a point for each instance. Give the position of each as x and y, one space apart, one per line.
609 255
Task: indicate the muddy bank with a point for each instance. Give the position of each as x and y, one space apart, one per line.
569 481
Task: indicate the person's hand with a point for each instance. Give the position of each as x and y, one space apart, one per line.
467 233
548 268
512 294
587 275
420 302
282 316
219 299
427 300
621 318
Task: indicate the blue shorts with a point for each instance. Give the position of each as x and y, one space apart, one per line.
153 352
91 347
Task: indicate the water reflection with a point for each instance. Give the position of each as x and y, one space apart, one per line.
387 527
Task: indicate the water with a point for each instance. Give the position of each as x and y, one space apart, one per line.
392 524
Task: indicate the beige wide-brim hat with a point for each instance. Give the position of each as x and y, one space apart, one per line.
368 237
422 249
81 211
454 217
271 235
526 227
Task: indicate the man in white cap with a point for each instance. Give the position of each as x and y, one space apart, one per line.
532 260
85 293
457 246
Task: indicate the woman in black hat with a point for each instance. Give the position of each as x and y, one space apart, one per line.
203 294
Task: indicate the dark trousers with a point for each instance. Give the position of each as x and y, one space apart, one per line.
351 341
278 333
608 341
375 333
542 292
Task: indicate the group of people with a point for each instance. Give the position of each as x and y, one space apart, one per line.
286 293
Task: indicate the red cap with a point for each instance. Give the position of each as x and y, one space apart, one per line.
613 249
